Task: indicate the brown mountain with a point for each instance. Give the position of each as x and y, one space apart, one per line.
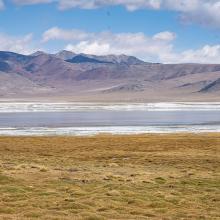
73 76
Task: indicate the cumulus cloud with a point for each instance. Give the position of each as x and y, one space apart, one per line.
103 43
21 45
59 34
157 48
205 12
166 36
206 54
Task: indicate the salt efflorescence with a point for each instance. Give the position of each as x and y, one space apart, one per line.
76 106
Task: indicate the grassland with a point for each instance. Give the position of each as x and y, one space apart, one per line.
110 177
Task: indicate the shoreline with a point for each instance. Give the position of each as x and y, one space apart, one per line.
93 132
92 99
57 100
116 136
104 135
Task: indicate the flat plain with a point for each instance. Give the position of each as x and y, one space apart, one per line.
175 176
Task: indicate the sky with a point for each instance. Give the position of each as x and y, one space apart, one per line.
167 31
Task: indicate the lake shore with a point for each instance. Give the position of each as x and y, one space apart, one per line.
73 119
152 176
113 98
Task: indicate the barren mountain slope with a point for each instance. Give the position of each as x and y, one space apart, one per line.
112 77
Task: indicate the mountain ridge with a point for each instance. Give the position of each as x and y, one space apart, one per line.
120 76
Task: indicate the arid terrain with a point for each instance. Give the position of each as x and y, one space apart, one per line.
110 177
83 77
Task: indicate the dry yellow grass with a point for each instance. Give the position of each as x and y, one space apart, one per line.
110 177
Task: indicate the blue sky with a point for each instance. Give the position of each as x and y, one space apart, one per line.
163 32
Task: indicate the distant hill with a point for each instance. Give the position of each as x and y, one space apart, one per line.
212 87
111 77
85 59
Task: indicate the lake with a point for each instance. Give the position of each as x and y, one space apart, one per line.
91 118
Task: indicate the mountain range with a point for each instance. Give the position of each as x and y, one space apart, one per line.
82 77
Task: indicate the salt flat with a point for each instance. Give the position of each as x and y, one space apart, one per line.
79 106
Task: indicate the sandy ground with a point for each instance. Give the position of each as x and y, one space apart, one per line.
110 177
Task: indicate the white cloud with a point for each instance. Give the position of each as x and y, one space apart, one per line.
91 4
95 47
165 36
103 43
59 34
1 4
205 12
32 2
16 44
206 54
157 48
